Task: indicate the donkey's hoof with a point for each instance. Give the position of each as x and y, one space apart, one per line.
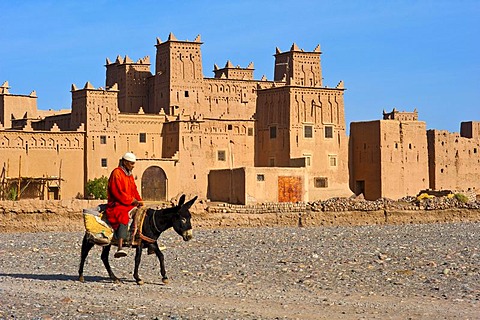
81 279
165 280
140 282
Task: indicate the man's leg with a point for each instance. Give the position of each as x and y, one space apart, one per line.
121 235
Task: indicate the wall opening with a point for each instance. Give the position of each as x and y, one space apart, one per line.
154 184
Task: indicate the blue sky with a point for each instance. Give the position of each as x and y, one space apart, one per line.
402 54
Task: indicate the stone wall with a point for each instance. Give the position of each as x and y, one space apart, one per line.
66 215
75 206
63 207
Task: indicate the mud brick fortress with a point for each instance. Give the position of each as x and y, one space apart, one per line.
228 138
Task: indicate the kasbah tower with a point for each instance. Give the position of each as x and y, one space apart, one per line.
228 138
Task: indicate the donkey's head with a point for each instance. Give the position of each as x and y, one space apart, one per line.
181 220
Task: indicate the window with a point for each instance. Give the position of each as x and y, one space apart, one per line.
104 162
221 155
250 131
230 127
103 139
186 94
271 162
321 182
308 131
143 137
328 132
273 132
260 177
308 159
332 160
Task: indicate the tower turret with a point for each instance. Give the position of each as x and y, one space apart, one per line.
132 81
299 68
178 74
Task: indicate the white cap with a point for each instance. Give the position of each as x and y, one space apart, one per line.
129 157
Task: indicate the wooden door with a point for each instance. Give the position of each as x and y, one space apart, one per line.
154 184
290 189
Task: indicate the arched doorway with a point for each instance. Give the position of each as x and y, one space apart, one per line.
154 184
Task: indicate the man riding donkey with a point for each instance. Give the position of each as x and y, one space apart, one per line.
123 198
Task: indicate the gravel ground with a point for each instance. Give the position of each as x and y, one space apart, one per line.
428 271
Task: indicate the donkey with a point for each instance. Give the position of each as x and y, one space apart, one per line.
155 222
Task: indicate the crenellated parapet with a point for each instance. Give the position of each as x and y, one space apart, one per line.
126 60
401 115
4 88
172 38
234 72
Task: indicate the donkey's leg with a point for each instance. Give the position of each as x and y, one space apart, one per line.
138 258
161 259
104 256
86 247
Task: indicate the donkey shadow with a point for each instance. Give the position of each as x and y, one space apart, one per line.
52 277
66 277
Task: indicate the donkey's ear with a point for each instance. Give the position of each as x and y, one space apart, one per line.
190 203
181 200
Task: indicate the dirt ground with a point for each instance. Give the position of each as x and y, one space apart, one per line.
317 265
409 271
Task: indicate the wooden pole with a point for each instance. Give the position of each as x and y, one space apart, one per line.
43 189
19 177
2 190
60 181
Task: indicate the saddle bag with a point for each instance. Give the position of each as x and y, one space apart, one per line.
97 229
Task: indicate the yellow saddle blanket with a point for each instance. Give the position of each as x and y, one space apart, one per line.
101 233
98 230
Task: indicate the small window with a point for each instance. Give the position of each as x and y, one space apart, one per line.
321 182
104 162
250 131
260 177
328 132
186 94
332 160
143 137
103 139
221 155
308 131
308 160
273 132
230 127
272 162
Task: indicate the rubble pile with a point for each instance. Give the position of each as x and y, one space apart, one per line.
407 203
350 204
268 207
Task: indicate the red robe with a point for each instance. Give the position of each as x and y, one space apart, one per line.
121 193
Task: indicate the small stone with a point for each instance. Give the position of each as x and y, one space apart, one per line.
382 256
